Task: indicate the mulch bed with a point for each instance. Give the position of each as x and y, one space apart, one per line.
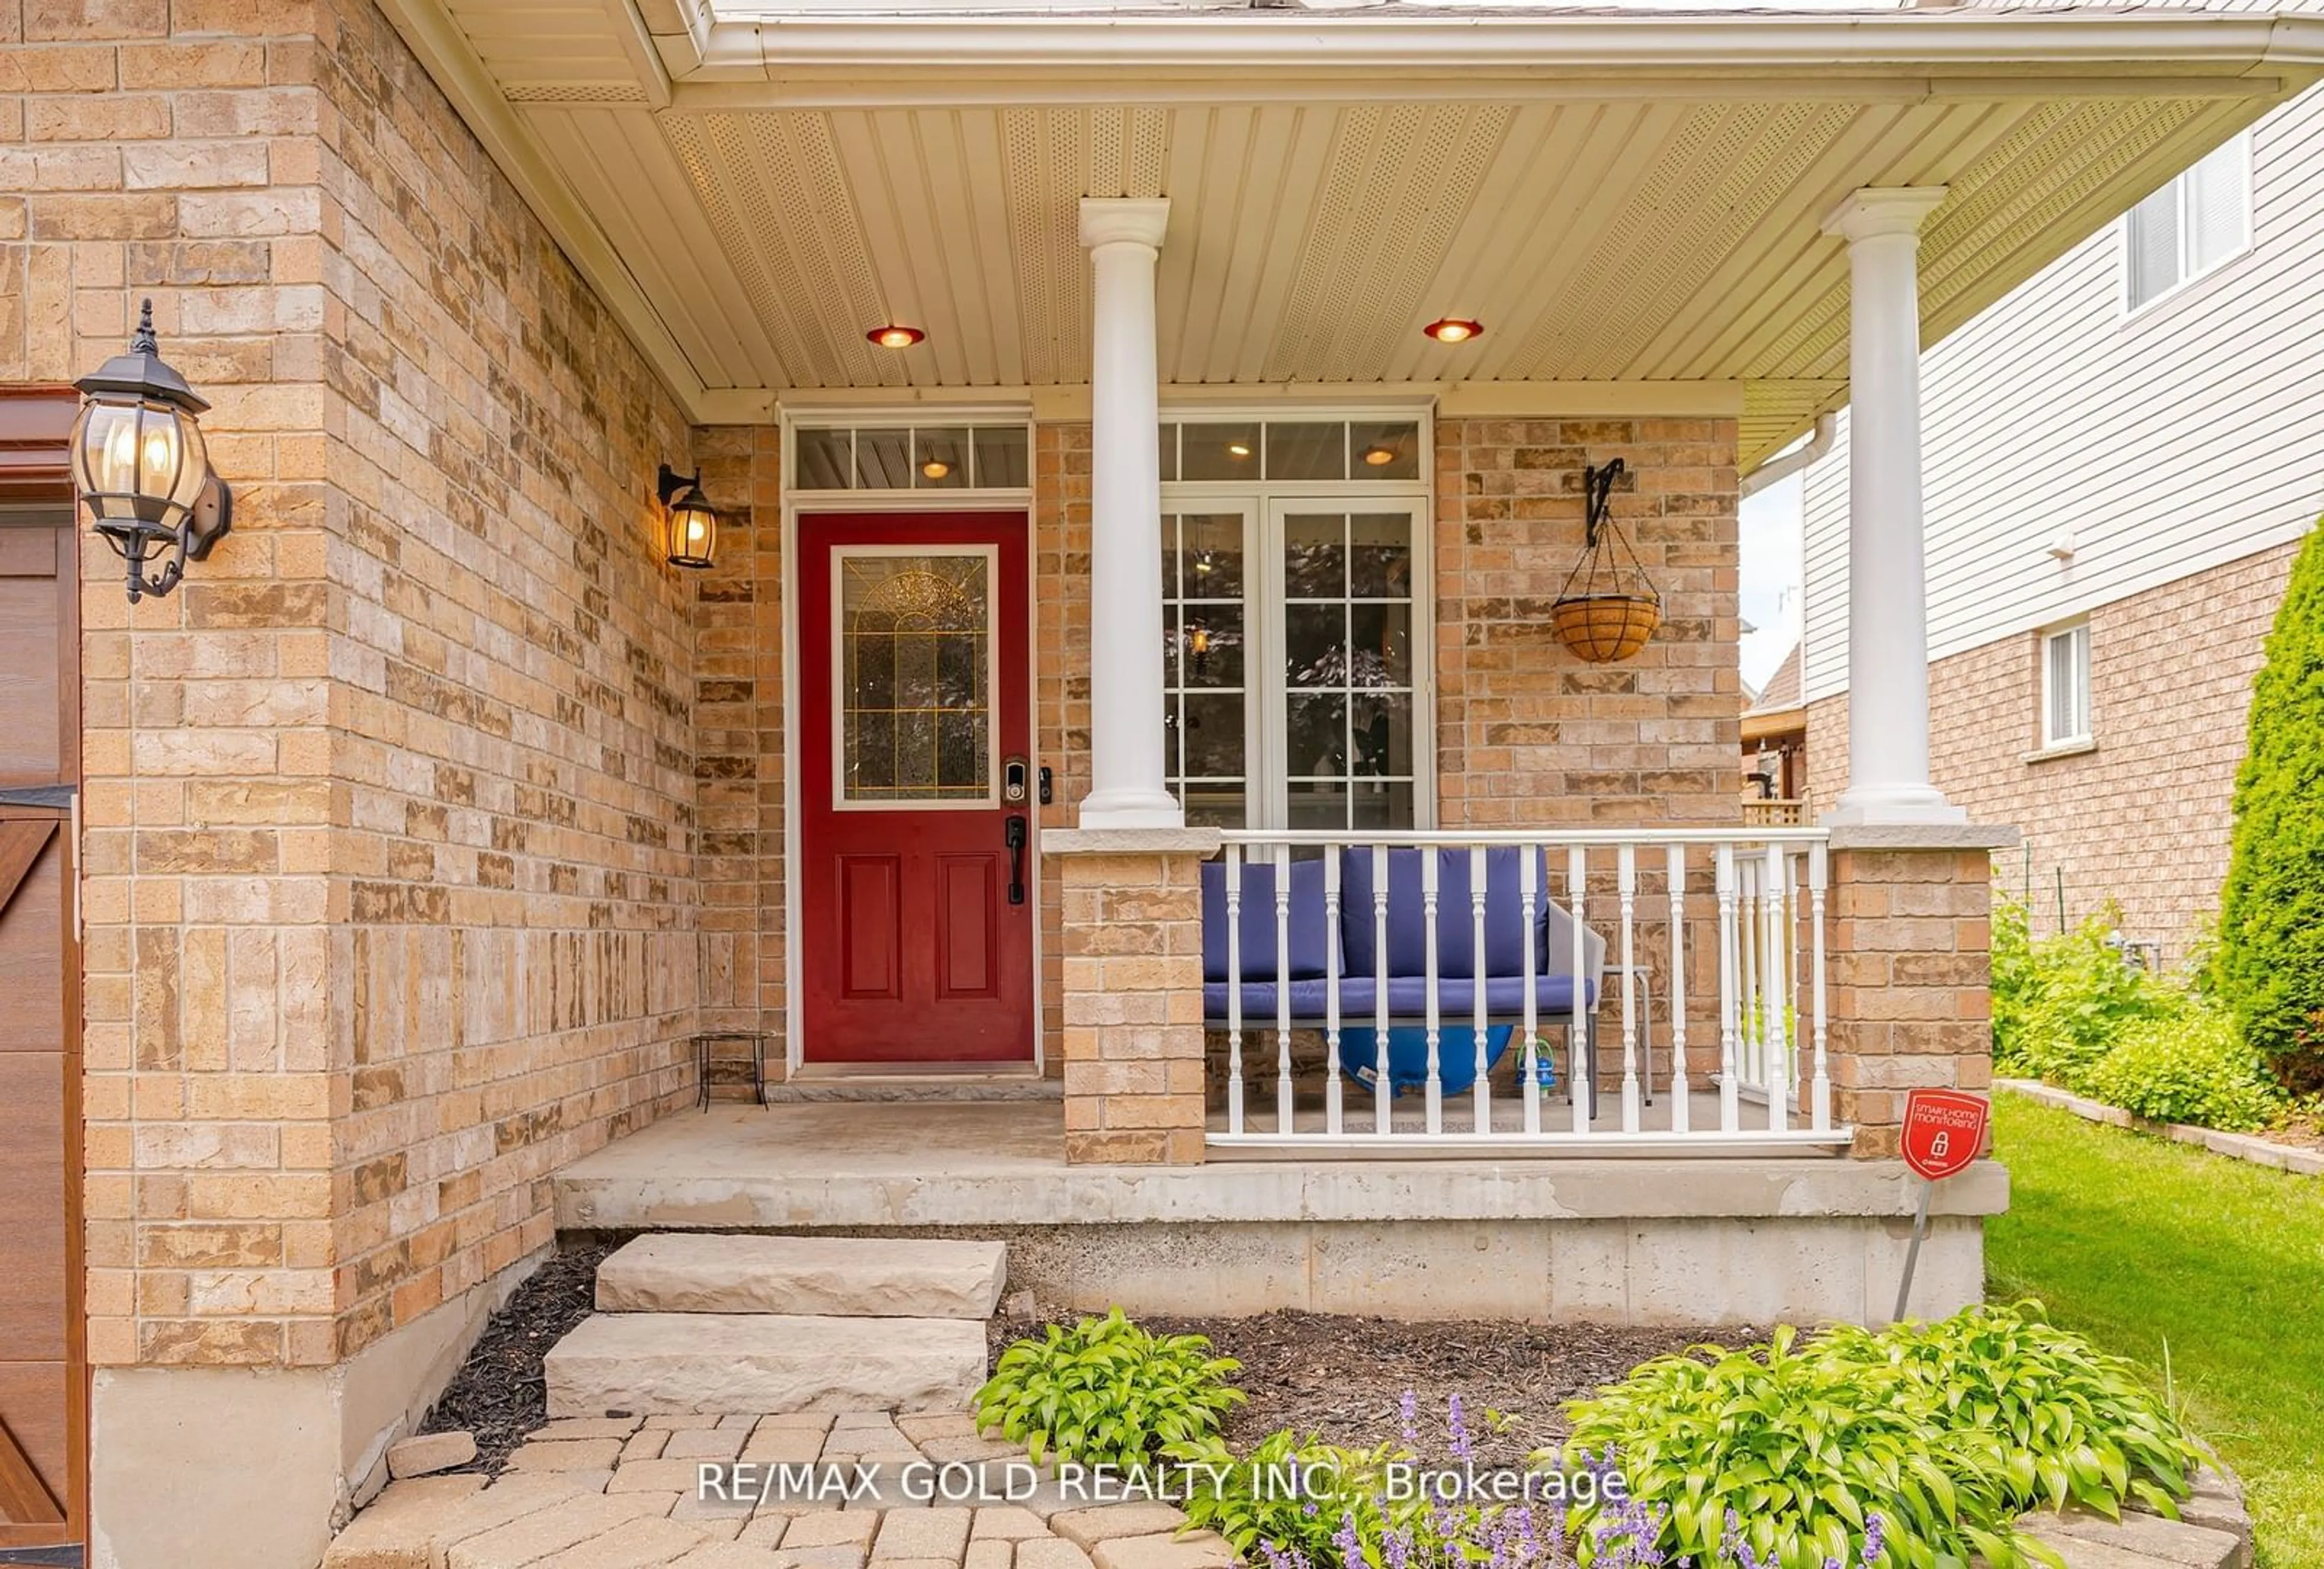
500 1393
1341 1377
1344 1378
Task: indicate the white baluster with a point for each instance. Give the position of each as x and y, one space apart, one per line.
1625 885
1481 1089
1730 1118
1820 1098
1746 958
1774 993
1283 1109
1676 861
1428 881
1380 1122
1528 907
1234 988
1580 1060
1333 1110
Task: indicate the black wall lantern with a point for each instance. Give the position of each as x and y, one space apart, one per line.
693 524
138 457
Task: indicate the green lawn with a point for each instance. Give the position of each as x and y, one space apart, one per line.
2145 1245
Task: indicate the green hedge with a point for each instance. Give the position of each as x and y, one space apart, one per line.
2067 1010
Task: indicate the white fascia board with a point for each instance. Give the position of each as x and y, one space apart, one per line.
1994 51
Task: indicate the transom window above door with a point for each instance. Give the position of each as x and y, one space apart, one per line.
953 457
1295 615
1290 450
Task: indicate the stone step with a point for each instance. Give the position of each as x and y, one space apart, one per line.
765 1363
842 1277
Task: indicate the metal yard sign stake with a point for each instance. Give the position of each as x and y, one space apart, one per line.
1944 1133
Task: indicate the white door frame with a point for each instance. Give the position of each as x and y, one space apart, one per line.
863 417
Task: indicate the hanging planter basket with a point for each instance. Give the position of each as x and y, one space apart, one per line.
1609 607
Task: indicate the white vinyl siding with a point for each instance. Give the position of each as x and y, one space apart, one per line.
2196 223
2065 685
2159 444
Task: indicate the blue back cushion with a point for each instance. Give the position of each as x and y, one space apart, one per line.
1311 936
1506 933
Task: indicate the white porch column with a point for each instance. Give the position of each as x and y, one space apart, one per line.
1126 767
1887 607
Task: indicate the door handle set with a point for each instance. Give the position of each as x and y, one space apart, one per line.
1013 835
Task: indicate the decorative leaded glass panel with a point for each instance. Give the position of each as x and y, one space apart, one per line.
915 676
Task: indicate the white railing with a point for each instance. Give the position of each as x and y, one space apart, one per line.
1672 913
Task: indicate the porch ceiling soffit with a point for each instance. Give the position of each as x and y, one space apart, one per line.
1620 199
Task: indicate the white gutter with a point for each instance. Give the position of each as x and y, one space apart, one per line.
1994 51
1784 465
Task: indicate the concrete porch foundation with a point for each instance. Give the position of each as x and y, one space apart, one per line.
1638 1239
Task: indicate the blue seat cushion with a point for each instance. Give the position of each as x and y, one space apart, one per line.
1506 932
1407 999
1311 936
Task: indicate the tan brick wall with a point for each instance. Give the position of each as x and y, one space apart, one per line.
1061 683
2144 819
738 695
1526 733
390 808
1133 1007
1910 974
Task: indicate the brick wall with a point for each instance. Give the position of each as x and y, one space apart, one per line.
738 695
1911 975
390 807
1526 733
1061 682
1132 1043
2144 817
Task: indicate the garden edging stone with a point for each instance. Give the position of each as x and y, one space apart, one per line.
2246 1147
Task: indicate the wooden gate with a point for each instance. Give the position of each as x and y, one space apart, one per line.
44 1364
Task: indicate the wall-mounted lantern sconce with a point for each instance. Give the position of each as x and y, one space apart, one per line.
142 468
693 525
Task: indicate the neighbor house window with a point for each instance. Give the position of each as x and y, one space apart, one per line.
2192 224
1294 615
2065 685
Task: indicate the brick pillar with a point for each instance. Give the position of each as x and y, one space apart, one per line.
1132 939
1911 971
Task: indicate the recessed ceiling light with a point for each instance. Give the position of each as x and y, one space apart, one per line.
895 337
1238 449
935 468
1454 329
1379 457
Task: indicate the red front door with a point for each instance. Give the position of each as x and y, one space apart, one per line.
915 787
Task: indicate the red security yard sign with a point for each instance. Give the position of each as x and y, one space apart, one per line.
1944 1133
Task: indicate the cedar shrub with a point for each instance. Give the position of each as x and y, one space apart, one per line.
2269 967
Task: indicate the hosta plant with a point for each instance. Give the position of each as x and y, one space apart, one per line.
1106 1393
1783 1454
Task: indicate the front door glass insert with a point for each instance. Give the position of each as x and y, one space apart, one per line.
915 674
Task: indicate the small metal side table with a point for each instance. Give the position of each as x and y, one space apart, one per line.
1641 978
706 1056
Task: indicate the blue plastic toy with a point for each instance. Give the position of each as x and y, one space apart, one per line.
1407 1056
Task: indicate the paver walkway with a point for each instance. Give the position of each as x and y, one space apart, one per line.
623 1494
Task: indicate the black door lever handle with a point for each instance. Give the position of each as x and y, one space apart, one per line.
1013 836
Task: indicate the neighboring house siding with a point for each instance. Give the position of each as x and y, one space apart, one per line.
2142 817
2186 435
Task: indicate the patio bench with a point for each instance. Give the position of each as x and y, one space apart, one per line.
1319 944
